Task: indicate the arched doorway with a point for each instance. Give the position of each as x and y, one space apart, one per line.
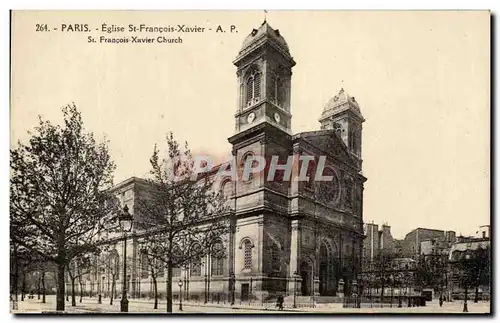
327 276
306 275
323 270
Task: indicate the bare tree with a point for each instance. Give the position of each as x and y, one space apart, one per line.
111 263
187 215
155 266
22 265
77 268
60 203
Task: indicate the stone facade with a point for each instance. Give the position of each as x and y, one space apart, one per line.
288 236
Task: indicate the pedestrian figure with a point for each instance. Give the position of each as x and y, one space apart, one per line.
440 300
279 302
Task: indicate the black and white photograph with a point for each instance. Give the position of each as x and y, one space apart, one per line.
250 162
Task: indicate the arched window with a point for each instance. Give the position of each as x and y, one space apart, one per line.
196 262
249 90
226 188
253 87
277 91
247 254
217 257
144 265
246 159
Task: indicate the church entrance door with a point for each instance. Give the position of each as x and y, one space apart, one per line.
306 275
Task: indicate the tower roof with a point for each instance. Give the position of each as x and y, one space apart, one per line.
341 102
264 33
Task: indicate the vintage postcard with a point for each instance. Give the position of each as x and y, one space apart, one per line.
253 162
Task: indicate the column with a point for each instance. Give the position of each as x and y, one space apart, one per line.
294 267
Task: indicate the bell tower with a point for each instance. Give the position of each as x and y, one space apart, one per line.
262 131
343 114
264 71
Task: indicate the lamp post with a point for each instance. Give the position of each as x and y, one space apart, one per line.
466 280
407 283
400 284
250 294
355 293
208 289
180 294
99 296
126 221
185 285
295 289
341 289
206 284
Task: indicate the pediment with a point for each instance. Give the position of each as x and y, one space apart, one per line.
328 142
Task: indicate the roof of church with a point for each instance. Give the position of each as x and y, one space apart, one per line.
327 141
342 102
265 31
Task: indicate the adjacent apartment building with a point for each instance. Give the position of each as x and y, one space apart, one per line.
377 240
411 246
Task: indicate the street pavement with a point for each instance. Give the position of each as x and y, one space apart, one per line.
89 305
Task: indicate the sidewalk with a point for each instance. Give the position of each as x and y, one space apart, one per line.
258 306
90 305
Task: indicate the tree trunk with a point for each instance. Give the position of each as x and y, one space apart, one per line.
382 294
16 278
155 286
392 291
169 287
73 296
43 286
81 288
112 291
23 284
13 281
60 287
39 284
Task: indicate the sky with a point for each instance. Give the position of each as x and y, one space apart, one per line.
422 80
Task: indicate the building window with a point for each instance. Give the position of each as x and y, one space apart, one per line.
247 254
217 257
274 258
196 268
114 264
196 263
253 88
277 92
160 269
227 188
246 160
144 266
176 272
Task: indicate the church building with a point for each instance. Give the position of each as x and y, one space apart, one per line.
289 237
